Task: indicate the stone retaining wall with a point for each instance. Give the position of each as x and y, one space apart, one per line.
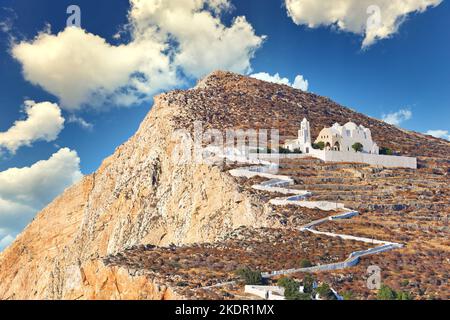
278 183
372 159
353 157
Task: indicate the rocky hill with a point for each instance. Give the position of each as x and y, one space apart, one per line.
142 195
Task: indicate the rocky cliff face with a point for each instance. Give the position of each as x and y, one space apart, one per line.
139 195
144 195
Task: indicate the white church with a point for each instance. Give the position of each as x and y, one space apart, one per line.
338 142
335 138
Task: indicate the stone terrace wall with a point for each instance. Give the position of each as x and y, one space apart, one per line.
372 159
353 157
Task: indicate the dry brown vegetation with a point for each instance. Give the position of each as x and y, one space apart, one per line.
196 266
400 205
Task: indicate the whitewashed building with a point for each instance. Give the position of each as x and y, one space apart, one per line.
338 146
266 292
342 138
335 138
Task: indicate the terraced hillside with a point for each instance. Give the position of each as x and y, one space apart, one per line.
389 211
195 270
399 205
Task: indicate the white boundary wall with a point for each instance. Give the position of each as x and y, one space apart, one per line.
352 157
372 159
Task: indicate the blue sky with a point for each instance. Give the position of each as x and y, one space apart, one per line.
404 69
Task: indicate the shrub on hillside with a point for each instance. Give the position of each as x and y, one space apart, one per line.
308 283
386 151
358 147
305 263
319 146
325 292
348 295
249 276
291 289
387 293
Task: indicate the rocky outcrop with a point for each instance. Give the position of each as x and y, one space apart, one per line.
140 195
94 281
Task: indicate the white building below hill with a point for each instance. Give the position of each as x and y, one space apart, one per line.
266 292
339 142
343 138
335 138
277 293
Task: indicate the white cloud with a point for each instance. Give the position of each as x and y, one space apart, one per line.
79 67
166 37
299 82
443 134
396 118
81 122
44 123
25 191
373 19
204 42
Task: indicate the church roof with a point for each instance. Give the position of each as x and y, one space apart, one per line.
350 126
332 130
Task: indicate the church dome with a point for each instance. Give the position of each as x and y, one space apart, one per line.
350 126
334 131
